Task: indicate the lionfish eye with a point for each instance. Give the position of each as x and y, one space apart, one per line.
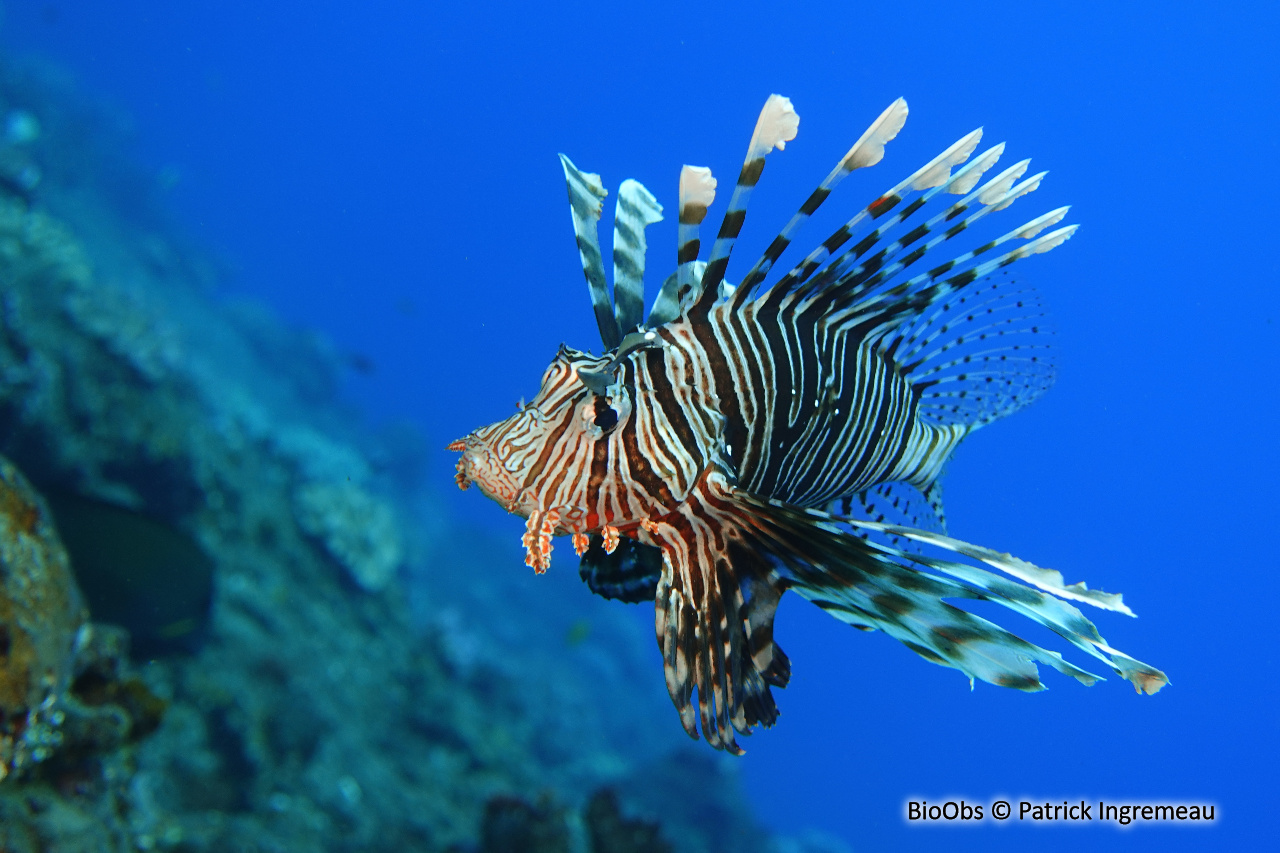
606 418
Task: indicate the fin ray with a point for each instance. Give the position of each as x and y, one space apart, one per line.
776 126
586 198
881 587
867 151
636 210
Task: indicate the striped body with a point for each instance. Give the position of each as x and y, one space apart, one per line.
809 419
746 442
802 424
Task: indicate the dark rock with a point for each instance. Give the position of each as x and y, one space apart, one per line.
610 832
512 825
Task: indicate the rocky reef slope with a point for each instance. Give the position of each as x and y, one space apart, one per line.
316 664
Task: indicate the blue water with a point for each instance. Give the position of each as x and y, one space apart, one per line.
386 172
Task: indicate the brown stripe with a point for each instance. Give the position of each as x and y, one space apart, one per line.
914 235
693 213
731 227
667 404
942 269
711 278
641 471
883 205
599 471
915 205
866 243
553 438
838 239
776 248
914 256
814 201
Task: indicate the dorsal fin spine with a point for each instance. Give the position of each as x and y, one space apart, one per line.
776 126
586 197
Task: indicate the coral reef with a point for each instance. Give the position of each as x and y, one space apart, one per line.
356 529
41 619
370 677
73 799
513 825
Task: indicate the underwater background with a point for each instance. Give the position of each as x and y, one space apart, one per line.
259 263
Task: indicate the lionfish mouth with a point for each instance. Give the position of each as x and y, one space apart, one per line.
541 524
461 478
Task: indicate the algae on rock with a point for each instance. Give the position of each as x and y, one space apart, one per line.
41 624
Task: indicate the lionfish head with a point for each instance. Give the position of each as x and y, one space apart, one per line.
537 463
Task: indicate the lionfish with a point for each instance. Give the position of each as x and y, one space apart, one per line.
746 440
